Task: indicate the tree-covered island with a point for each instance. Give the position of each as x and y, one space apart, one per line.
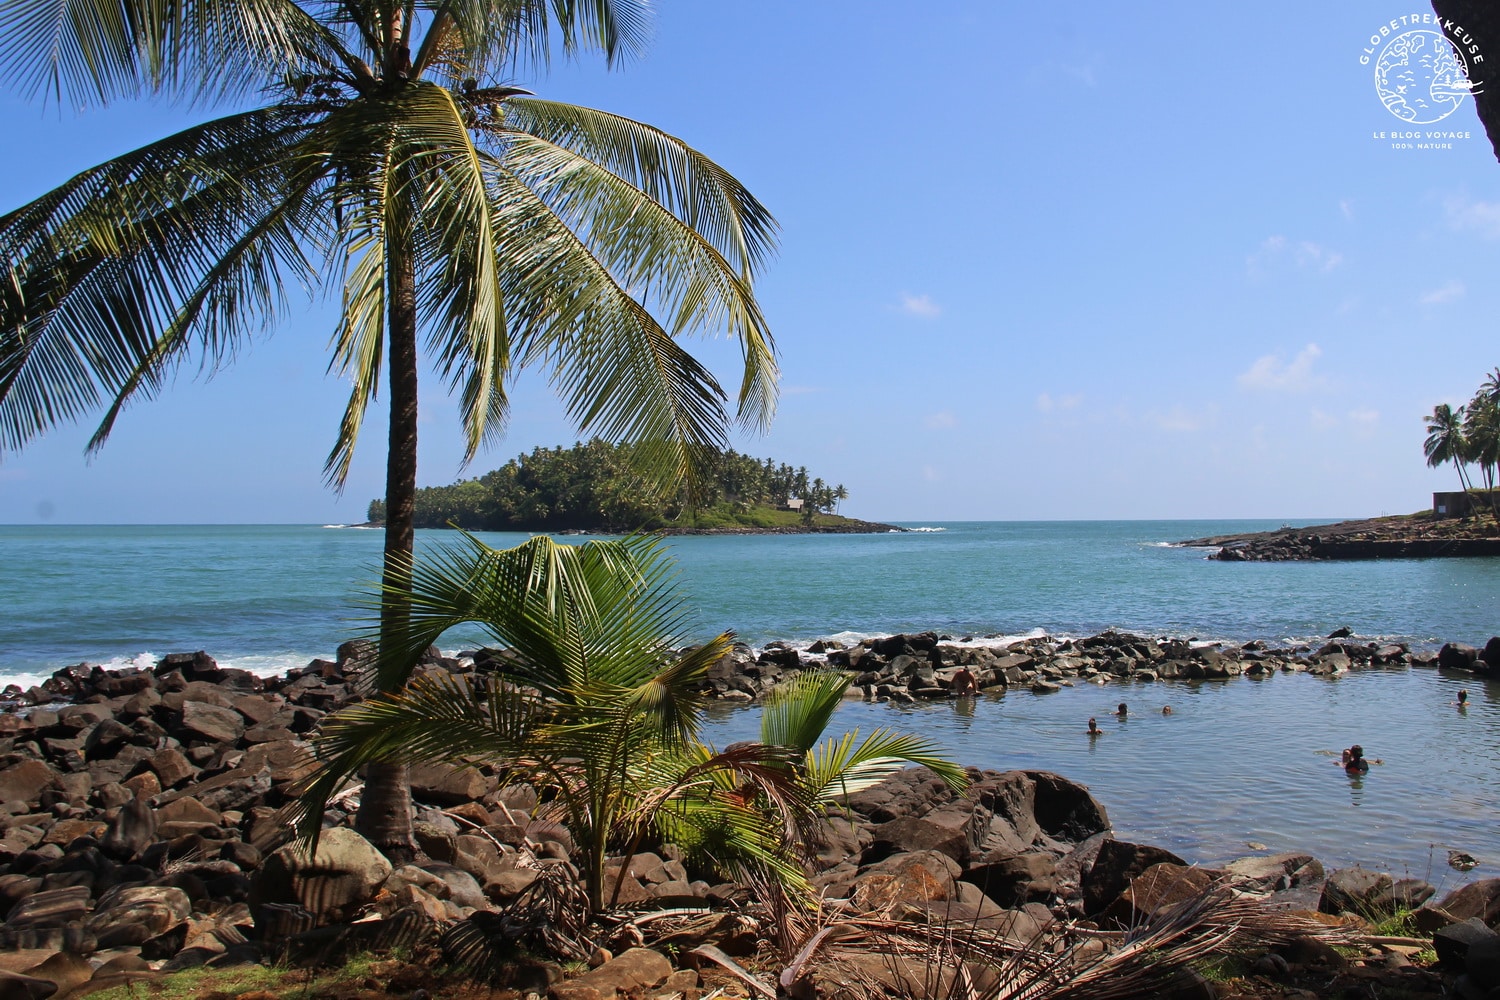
597 487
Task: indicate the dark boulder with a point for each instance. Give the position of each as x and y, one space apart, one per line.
1457 656
1155 889
1355 890
1065 809
1453 943
1017 880
131 831
1115 866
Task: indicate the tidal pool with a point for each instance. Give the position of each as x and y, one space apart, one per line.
1246 761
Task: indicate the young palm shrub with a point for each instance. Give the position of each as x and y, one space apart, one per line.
591 701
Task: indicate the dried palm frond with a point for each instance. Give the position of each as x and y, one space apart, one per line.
550 916
951 961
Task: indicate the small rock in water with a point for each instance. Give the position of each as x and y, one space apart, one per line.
1341 633
1460 861
1256 845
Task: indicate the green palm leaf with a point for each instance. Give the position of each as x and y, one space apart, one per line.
797 712
846 765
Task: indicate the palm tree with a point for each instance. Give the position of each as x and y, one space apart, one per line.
388 160
590 700
1445 440
1482 442
1490 387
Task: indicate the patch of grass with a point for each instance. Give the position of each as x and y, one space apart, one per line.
1222 968
293 984
1398 924
192 983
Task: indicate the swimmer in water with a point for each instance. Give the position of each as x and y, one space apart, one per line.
1354 761
1094 729
1166 710
1463 698
1122 711
964 683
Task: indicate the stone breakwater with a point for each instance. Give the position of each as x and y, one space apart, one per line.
922 666
141 833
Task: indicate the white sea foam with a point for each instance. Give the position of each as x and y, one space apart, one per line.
847 639
267 665
929 529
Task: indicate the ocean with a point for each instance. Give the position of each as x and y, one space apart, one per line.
1239 762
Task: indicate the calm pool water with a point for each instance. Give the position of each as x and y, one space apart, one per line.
1248 761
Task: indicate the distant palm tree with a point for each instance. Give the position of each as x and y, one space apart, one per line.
1445 440
1491 386
389 161
1482 442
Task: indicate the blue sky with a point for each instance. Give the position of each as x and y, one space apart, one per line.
1138 261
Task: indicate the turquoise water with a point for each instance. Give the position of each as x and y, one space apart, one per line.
281 594
1238 762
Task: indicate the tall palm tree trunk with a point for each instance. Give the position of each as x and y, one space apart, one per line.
385 812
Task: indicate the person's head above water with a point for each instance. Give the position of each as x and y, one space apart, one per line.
1093 726
1356 751
1122 710
1463 695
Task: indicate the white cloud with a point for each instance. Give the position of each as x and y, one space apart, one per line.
1305 254
1362 420
1346 209
1270 373
1179 419
920 306
942 420
1447 293
1046 403
1482 217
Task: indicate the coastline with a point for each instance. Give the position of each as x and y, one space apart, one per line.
1421 535
1033 844
843 526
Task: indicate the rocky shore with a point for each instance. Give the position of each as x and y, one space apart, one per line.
1411 536
141 832
922 666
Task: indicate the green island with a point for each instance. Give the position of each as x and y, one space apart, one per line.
599 487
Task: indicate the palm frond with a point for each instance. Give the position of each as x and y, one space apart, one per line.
185 245
845 765
797 712
438 718
670 225
82 52
476 38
